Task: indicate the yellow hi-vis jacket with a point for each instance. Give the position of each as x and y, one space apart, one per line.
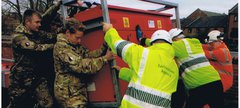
153 73
194 67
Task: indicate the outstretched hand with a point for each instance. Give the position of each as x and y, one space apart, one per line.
116 67
106 26
109 55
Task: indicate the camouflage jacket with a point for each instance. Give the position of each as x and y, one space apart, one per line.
31 49
27 48
49 16
72 64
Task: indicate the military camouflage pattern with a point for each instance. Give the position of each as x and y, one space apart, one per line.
45 58
20 94
29 49
73 63
49 17
26 49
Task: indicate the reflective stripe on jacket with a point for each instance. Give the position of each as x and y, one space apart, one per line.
220 58
194 67
152 75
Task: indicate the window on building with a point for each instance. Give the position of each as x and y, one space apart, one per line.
235 18
198 30
189 30
234 33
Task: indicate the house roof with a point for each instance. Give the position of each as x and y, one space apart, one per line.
213 21
208 13
202 13
185 22
234 9
210 19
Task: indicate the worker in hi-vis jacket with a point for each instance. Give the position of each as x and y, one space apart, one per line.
220 58
152 72
199 76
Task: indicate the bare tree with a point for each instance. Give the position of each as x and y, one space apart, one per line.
12 11
18 7
15 7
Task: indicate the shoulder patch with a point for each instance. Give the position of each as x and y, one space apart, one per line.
27 44
66 55
71 58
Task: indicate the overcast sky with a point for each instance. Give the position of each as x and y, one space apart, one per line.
186 7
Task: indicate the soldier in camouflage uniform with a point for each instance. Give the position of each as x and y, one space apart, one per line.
73 63
28 43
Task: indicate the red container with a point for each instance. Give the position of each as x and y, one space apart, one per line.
5 73
5 79
125 21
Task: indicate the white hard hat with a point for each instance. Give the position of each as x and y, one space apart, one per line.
175 32
212 36
161 34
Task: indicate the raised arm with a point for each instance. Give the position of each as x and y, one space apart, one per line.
48 37
124 49
79 64
97 52
50 14
22 42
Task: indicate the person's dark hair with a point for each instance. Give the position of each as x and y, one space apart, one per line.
72 25
27 15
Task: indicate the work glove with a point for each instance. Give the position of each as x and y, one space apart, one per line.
105 44
139 33
104 47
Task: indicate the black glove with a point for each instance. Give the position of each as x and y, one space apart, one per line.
139 33
105 45
142 41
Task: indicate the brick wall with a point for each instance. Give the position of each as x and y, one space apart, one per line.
7 47
233 92
7 52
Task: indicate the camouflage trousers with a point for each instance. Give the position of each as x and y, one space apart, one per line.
71 101
21 93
